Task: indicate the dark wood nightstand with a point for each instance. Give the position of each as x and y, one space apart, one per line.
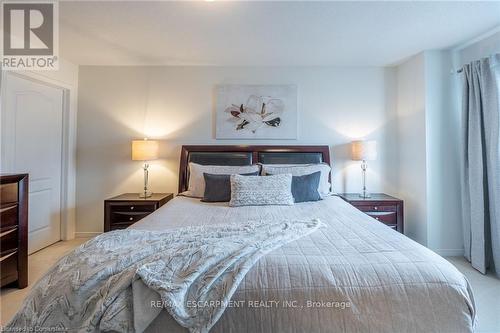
380 206
126 209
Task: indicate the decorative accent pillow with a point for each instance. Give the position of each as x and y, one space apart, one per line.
218 187
261 191
301 170
196 186
305 188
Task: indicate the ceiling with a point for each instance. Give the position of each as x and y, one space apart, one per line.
266 33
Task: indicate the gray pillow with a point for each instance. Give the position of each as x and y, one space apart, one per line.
218 187
305 188
260 191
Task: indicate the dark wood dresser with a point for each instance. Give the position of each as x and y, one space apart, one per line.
380 206
126 209
14 229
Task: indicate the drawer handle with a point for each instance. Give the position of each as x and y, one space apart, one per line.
377 218
376 208
132 207
130 218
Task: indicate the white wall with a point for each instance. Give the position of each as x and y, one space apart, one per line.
411 138
176 105
428 145
444 214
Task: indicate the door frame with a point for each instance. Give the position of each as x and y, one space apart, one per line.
68 155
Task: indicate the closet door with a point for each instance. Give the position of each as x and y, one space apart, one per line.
32 129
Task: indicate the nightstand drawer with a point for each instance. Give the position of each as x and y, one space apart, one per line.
384 217
377 208
8 241
8 217
8 262
382 207
128 217
134 207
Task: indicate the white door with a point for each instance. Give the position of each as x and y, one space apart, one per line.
32 123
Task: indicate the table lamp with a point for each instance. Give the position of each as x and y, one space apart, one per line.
364 151
145 150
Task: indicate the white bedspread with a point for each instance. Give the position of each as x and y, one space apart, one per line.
354 275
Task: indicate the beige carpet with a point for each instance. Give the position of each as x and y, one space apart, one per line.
486 287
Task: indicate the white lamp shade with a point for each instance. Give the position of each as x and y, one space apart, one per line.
364 150
144 150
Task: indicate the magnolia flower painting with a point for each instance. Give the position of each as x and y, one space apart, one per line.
256 112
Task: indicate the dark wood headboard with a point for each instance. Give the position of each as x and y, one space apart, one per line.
246 155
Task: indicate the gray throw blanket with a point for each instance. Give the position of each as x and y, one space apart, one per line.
191 268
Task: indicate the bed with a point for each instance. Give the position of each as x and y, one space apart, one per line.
353 275
347 273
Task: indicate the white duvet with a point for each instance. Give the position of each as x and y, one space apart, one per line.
354 275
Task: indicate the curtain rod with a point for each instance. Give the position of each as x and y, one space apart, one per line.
494 64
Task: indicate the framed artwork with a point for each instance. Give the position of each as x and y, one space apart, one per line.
256 112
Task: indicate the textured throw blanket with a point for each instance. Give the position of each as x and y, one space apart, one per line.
195 270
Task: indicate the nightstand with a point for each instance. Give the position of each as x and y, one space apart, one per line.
380 206
126 209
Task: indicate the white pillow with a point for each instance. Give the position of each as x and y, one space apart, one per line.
301 170
260 191
196 186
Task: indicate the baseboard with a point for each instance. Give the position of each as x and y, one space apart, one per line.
450 252
85 234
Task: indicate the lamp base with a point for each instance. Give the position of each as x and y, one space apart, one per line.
364 193
145 195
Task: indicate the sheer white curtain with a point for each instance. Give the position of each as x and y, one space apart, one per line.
481 169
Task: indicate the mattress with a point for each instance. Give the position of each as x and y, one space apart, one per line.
352 275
